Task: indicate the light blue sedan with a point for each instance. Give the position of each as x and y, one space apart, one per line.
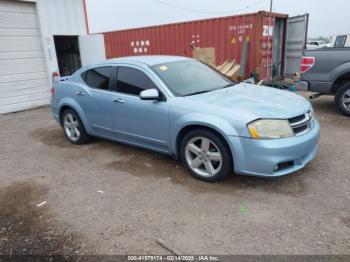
182 107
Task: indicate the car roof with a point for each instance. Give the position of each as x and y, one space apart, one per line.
148 59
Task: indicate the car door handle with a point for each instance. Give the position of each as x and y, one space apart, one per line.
119 100
79 93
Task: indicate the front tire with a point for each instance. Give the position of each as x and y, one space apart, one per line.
342 99
206 155
73 128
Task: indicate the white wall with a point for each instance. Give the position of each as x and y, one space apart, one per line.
59 17
62 17
92 49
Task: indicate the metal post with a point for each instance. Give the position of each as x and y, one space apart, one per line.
268 65
271 4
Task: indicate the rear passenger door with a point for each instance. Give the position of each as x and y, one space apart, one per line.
97 99
139 121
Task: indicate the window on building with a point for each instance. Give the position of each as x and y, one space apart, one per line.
132 81
98 77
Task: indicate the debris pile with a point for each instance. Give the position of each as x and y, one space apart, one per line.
235 71
231 69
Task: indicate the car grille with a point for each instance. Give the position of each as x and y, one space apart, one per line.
301 124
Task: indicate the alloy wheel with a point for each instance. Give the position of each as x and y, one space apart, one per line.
203 156
71 127
346 100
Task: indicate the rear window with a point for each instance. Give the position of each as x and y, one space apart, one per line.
340 41
98 77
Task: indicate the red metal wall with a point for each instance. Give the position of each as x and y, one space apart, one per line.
226 34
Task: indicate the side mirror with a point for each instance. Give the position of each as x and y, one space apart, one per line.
150 94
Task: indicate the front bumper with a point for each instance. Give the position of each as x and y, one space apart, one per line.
275 157
314 86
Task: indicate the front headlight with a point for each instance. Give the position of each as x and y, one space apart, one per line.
270 129
312 113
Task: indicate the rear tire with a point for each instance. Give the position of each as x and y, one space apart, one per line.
206 155
342 99
73 128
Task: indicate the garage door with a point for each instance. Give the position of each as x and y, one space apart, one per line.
23 74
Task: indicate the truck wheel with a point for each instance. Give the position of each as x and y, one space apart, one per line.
206 155
342 99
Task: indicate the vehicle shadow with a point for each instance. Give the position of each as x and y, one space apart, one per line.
143 163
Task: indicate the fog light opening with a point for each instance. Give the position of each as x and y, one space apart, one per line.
283 165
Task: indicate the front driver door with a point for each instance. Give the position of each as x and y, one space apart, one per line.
140 122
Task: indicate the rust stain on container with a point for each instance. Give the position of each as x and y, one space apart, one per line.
226 34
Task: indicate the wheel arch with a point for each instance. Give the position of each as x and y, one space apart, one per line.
340 80
71 104
340 104
62 110
195 126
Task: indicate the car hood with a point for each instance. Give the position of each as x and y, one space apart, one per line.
252 102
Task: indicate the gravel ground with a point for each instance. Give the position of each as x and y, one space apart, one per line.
145 196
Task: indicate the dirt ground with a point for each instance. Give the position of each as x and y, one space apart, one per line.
147 196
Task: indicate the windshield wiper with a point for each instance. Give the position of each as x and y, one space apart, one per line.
207 91
199 92
228 85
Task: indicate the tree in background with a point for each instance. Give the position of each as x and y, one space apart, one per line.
322 38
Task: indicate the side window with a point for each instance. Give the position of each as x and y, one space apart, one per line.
340 41
98 77
132 81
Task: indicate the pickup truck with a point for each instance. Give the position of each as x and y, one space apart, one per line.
327 72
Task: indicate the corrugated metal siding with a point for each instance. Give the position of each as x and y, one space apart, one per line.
23 74
62 17
226 34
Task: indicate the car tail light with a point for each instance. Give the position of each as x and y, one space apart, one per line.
55 77
307 62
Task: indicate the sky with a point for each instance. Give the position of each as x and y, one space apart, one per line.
327 17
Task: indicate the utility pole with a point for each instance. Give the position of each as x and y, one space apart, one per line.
271 4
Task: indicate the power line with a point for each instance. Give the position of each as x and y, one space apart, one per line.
207 12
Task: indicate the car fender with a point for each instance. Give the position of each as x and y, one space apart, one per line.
67 101
218 124
339 71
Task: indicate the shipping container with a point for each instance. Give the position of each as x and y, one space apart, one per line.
265 34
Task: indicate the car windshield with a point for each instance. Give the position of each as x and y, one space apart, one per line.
190 77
